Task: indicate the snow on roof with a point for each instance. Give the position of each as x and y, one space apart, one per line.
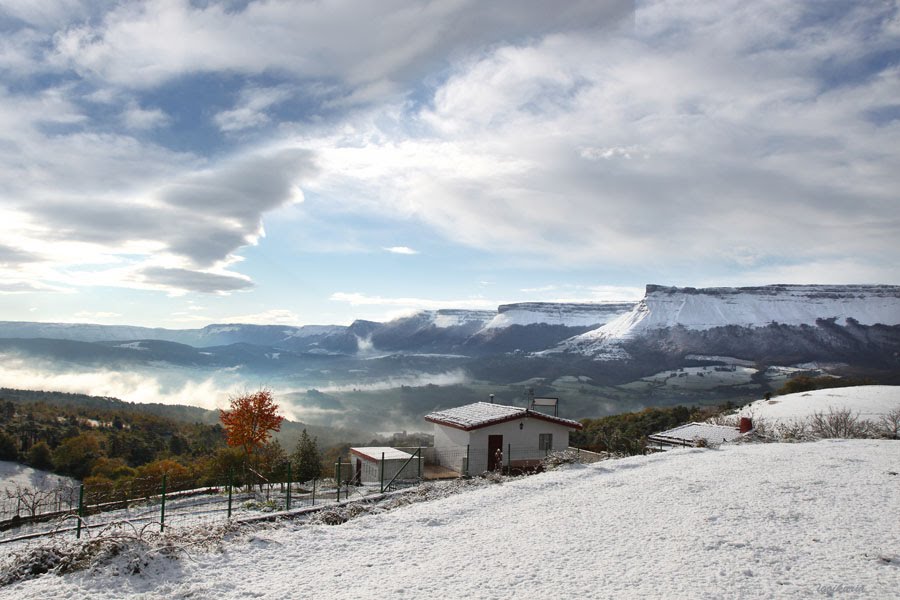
482 414
695 431
375 453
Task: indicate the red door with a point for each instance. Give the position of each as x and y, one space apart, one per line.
495 452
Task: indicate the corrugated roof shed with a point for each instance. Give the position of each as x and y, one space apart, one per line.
690 433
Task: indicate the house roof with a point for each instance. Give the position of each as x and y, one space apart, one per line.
375 453
694 431
483 414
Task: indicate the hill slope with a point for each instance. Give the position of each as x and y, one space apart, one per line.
776 520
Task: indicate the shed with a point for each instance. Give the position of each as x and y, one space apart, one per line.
373 464
691 434
483 436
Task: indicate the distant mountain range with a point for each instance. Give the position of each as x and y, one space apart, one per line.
827 322
588 351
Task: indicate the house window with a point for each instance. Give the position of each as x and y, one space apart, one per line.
545 441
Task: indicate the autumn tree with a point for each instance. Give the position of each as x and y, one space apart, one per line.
250 420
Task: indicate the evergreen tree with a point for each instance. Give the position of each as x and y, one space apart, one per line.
306 460
40 456
8 448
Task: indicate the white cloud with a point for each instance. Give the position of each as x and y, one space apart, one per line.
135 117
142 44
211 393
400 250
251 108
358 299
698 140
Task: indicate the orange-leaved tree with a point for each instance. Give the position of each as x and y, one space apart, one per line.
251 417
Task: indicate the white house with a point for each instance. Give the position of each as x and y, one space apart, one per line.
483 436
374 464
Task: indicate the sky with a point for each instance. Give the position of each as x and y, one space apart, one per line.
174 163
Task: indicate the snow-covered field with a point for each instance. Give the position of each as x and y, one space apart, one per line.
746 521
870 402
13 474
696 378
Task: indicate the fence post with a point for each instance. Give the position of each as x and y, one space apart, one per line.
288 504
338 486
230 489
419 452
162 512
381 476
509 459
80 511
468 461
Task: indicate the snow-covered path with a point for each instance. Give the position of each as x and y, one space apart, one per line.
752 521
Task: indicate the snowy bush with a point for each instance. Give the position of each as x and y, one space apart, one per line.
121 548
839 423
890 424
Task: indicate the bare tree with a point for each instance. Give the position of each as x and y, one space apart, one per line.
839 423
890 423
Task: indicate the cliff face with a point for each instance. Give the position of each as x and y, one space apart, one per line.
815 322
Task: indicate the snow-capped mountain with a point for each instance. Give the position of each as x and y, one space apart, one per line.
777 324
557 313
683 320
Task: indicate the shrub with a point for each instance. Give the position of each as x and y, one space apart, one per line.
839 423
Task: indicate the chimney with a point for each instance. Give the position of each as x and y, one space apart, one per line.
746 424
492 398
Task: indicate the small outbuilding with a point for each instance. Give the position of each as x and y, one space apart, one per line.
483 436
698 434
374 464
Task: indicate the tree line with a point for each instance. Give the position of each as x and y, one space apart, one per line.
119 449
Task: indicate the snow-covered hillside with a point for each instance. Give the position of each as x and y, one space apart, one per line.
567 314
691 309
747 521
869 402
14 474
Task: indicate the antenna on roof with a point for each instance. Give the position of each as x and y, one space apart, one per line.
492 398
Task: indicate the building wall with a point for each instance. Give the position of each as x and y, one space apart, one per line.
450 447
450 443
371 469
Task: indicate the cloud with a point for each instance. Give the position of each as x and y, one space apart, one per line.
180 234
400 250
14 256
252 107
274 316
143 44
195 281
697 140
136 117
357 299
172 388
454 377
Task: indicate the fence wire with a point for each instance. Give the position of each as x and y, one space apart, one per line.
176 501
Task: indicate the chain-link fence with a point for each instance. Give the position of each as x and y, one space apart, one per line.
179 500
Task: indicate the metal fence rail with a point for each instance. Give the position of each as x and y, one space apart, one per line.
172 502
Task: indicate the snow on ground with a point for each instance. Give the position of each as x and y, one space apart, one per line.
696 378
744 521
570 315
870 401
12 474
